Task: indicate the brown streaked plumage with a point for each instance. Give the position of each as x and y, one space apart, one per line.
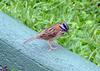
50 33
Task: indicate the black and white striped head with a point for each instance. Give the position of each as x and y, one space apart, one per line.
64 27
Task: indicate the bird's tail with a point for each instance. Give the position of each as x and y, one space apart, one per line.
30 39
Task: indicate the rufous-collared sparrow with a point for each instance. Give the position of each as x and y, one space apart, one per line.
50 33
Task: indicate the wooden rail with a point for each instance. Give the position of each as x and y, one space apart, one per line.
34 56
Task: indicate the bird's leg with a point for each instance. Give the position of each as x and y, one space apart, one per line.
50 42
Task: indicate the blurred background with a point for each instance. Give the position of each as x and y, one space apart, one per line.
82 16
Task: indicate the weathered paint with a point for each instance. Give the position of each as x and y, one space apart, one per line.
34 56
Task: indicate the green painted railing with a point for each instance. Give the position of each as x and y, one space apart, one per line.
34 56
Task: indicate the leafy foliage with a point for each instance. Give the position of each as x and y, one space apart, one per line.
83 17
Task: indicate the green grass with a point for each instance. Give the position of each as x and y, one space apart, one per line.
83 17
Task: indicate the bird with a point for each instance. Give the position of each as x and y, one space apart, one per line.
50 33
